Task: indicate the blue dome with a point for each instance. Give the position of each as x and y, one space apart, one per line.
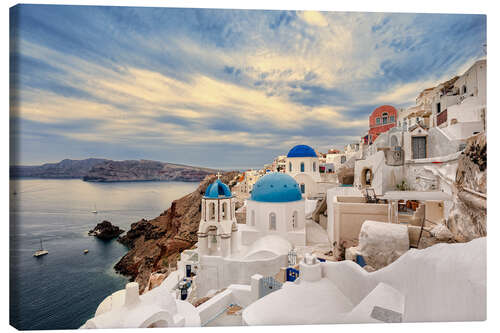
276 187
217 189
302 151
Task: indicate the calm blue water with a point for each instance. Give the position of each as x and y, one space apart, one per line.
62 290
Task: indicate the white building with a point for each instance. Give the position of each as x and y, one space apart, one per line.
155 308
231 254
250 177
275 208
303 166
404 291
216 233
457 107
429 135
352 150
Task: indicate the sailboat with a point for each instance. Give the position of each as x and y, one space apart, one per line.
95 210
40 252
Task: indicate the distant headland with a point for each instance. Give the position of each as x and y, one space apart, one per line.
104 170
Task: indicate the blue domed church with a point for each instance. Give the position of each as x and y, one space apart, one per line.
230 253
302 163
276 207
218 221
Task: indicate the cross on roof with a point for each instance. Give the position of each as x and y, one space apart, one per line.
218 175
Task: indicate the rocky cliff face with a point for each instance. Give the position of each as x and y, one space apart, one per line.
157 243
468 214
112 171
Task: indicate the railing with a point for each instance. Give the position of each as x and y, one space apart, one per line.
442 117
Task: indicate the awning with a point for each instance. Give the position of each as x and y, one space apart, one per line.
416 195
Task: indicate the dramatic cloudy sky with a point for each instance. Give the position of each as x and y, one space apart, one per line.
220 88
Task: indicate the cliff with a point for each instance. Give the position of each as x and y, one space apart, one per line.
65 169
103 170
132 170
156 243
468 213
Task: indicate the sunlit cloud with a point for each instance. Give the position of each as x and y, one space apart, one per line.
314 18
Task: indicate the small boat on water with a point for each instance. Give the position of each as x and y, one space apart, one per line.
95 210
40 252
85 251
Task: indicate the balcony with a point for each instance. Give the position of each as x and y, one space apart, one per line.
442 117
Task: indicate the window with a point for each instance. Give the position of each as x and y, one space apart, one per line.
438 108
464 89
314 166
294 220
303 188
290 166
272 221
302 167
367 177
342 159
393 119
224 211
252 220
211 208
384 118
378 121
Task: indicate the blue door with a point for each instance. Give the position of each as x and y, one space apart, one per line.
303 188
291 274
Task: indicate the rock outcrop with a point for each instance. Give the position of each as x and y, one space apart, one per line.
157 243
382 243
345 173
105 230
468 213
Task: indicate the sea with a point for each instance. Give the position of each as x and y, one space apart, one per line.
62 290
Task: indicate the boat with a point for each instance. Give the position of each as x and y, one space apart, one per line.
95 210
85 251
40 252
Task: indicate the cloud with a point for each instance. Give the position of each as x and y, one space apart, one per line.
175 84
314 18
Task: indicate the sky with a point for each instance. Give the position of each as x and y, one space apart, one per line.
218 88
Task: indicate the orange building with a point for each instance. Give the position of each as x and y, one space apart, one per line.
382 119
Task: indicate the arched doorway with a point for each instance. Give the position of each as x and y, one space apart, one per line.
394 141
367 177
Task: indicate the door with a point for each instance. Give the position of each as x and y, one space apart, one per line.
419 147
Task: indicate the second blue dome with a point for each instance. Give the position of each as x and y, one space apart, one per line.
302 151
276 187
